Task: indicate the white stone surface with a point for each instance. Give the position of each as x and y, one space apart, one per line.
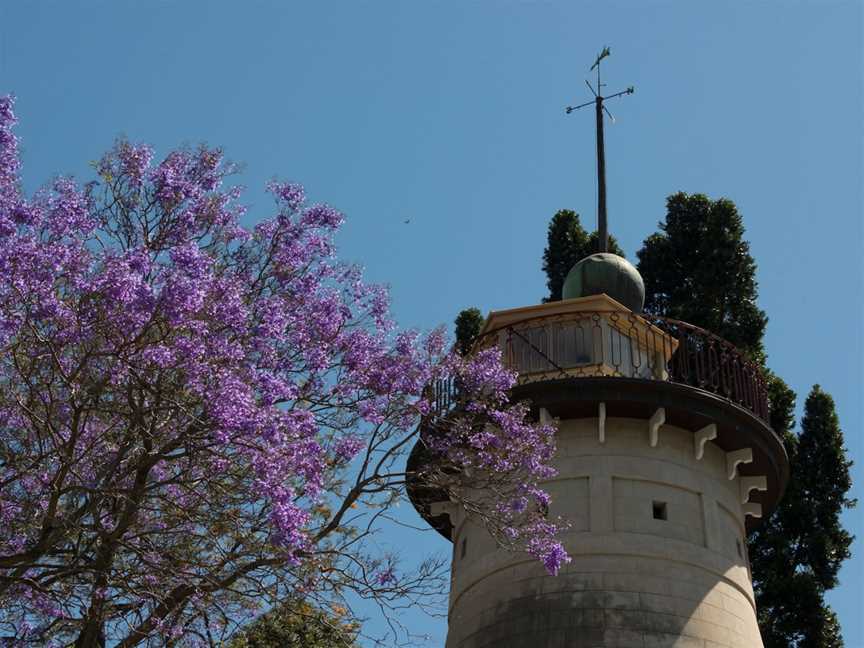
634 580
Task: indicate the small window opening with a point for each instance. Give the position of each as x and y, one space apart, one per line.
738 547
464 547
659 509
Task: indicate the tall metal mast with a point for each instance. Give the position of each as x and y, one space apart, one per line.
601 152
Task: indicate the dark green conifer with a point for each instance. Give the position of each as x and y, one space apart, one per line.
796 555
698 269
566 243
468 323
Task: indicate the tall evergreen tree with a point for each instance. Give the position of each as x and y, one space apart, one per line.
823 482
698 268
468 324
781 399
797 554
566 243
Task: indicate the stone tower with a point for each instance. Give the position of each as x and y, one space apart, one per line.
665 460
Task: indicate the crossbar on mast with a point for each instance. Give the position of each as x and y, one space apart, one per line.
598 100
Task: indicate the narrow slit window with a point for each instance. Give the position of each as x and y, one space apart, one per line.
464 547
659 510
738 547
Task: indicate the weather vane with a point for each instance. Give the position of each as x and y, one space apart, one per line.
601 154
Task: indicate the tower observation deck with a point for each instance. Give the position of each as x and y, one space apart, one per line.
665 460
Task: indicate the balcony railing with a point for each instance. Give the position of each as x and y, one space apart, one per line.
590 344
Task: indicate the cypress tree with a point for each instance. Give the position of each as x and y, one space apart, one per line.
823 481
698 269
566 243
797 554
468 324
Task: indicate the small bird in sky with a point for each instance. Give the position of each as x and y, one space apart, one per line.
407 220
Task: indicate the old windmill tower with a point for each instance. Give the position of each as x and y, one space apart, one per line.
665 459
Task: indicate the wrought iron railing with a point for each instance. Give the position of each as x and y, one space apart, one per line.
623 345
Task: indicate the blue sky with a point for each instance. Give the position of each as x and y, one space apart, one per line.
450 114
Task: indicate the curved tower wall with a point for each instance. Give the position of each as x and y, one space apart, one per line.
636 579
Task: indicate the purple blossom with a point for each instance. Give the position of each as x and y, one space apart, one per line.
385 577
293 195
135 160
321 216
348 447
554 558
191 260
126 160
9 165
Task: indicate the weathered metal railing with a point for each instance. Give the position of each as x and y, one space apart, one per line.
625 345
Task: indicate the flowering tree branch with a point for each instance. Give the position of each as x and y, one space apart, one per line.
198 420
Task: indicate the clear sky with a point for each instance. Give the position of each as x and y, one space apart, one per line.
450 114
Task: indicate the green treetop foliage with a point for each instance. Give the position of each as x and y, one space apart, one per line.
567 242
796 555
468 323
698 269
297 624
821 485
781 399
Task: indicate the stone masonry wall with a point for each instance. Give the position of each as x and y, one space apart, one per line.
658 546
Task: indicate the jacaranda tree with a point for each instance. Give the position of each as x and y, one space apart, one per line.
198 421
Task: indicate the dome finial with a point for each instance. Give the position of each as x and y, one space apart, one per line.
606 273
